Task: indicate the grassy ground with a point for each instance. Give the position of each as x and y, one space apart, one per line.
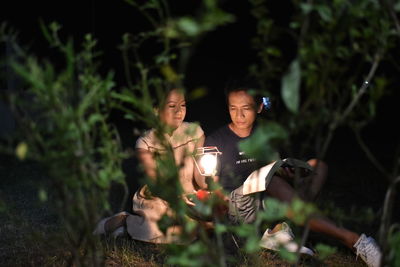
28 234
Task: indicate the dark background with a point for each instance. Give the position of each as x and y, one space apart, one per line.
221 55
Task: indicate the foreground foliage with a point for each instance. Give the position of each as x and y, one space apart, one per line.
63 114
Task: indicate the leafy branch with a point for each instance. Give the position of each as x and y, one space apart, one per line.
342 116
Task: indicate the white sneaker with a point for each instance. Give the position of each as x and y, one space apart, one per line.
282 238
368 250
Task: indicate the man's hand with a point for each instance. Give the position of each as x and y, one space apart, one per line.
291 172
288 172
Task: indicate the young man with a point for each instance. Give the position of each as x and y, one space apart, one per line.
234 168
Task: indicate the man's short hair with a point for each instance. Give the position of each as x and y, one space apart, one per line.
247 85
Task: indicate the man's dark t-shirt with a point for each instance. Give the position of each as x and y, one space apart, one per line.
233 167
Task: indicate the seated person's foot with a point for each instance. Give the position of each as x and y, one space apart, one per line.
368 250
282 236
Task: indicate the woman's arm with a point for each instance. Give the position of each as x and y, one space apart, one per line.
199 179
147 160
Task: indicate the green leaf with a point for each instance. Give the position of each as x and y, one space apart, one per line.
324 251
301 211
94 118
252 244
197 93
191 256
306 8
324 12
3 206
262 144
149 5
275 210
169 73
220 228
103 179
42 195
397 7
190 226
189 26
244 230
290 90
273 51
171 31
165 222
394 242
129 117
294 25
287 255
372 108
21 150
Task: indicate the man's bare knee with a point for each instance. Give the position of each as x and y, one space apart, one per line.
318 178
318 165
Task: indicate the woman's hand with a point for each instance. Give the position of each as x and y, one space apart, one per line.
187 200
201 195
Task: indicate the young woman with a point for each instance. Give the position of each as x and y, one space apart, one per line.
174 134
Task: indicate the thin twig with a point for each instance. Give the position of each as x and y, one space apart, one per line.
370 155
125 60
305 25
363 89
392 14
304 237
145 13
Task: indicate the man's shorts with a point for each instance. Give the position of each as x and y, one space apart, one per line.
243 208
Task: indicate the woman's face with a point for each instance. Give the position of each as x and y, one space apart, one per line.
174 111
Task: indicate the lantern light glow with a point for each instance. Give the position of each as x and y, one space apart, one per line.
209 163
206 160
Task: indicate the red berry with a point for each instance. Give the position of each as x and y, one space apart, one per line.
202 195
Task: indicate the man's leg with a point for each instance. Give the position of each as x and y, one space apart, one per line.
281 190
309 187
318 178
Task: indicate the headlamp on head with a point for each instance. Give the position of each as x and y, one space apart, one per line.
266 102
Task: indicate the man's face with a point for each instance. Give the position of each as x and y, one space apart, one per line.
174 110
242 109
